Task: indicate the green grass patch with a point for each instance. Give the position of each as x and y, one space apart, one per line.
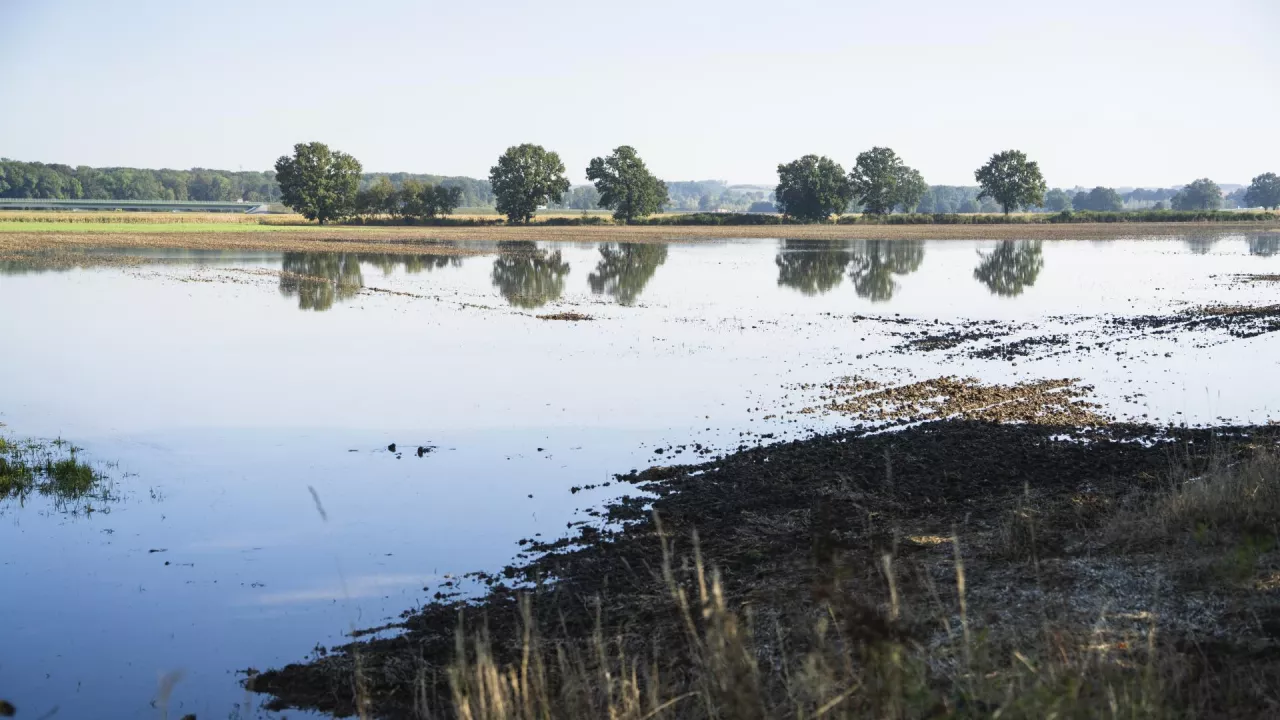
53 470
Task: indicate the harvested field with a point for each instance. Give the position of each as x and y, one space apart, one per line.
30 236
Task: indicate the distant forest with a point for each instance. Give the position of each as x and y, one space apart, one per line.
52 181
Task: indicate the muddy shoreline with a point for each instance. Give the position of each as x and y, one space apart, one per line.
795 527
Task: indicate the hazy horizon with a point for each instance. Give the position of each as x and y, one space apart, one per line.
1154 94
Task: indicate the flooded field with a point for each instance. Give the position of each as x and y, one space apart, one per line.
295 446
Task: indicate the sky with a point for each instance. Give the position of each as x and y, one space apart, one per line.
1122 93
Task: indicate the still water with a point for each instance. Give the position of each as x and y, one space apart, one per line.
244 403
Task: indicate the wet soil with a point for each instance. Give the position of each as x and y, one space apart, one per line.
796 525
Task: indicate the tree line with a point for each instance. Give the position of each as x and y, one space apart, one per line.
40 181
328 185
528 177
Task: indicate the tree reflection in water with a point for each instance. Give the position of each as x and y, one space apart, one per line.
1201 244
875 262
625 269
528 277
812 266
1265 245
1011 268
815 267
319 280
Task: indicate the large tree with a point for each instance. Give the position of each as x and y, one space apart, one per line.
881 182
626 186
1264 191
1203 194
812 188
318 182
1011 180
525 177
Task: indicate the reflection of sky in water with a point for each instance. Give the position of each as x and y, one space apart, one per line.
208 385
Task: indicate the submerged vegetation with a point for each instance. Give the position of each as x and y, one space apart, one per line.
53 470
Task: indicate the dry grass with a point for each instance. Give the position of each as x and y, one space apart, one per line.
1227 501
856 661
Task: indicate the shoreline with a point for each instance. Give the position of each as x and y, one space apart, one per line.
874 535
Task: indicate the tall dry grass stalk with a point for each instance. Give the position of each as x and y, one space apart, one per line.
843 670
1241 497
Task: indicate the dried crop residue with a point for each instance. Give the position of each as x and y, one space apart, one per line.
354 238
1041 401
571 316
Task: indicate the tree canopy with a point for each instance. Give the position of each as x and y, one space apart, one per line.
812 188
1264 191
318 182
1203 194
1011 180
625 185
881 182
526 177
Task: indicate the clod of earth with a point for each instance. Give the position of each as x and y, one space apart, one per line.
573 316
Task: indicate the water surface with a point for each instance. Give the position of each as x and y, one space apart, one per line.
247 400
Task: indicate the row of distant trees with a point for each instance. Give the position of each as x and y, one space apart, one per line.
62 182
52 181
323 185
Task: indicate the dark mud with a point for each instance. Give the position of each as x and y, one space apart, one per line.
1201 326
794 526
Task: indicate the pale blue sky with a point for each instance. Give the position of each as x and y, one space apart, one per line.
1142 92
